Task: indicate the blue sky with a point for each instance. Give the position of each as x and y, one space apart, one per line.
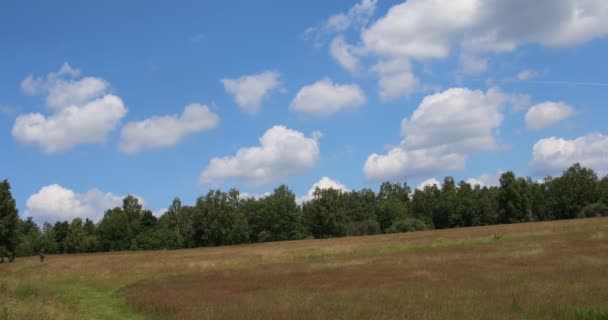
102 99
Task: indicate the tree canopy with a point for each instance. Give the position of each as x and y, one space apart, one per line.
226 218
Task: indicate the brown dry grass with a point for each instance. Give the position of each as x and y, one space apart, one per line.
537 270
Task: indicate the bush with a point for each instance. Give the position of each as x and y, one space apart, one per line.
407 225
362 228
594 210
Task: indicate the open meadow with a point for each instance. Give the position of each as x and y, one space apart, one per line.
545 270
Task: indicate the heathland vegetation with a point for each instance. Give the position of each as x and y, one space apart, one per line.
226 218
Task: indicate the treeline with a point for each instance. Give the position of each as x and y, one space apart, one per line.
225 218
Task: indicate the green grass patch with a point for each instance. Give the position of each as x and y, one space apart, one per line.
25 291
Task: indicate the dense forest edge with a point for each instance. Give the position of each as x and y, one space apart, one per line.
226 218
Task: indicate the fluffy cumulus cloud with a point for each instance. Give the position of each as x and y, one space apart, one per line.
460 119
545 114
324 98
54 202
282 152
420 30
250 90
82 111
553 155
396 79
441 133
323 183
166 131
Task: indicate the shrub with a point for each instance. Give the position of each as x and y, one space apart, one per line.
597 209
362 228
407 225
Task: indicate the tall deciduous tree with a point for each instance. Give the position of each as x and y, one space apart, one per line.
514 199
8 221
575 189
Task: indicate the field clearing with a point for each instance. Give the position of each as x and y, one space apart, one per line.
546 270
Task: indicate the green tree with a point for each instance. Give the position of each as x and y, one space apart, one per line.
48 239
389 211
603 190
218 222
568 194
445 209
286 220
173 219
424 202
361 212
114 231
29 238
74 241
9 219
514 199
61 232
467 207
325 214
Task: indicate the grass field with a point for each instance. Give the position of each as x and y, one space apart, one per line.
548 270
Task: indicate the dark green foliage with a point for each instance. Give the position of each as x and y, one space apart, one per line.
514 199
568 194
8 221
389 211
218 221
29 237
224 218
598 209
114 231
603 190
407 225
275 217
326 214
362 228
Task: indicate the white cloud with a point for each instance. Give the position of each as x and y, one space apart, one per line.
247 195
323 184
63 94
396 78
166 131
459 118
82 111
472 64
401 162
484 180
422 30
71 126
418 29
343 53
54 202
429 182
250 90
553 155
357 16
282 152
441 133
545 114
527 74
159 213
324 98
